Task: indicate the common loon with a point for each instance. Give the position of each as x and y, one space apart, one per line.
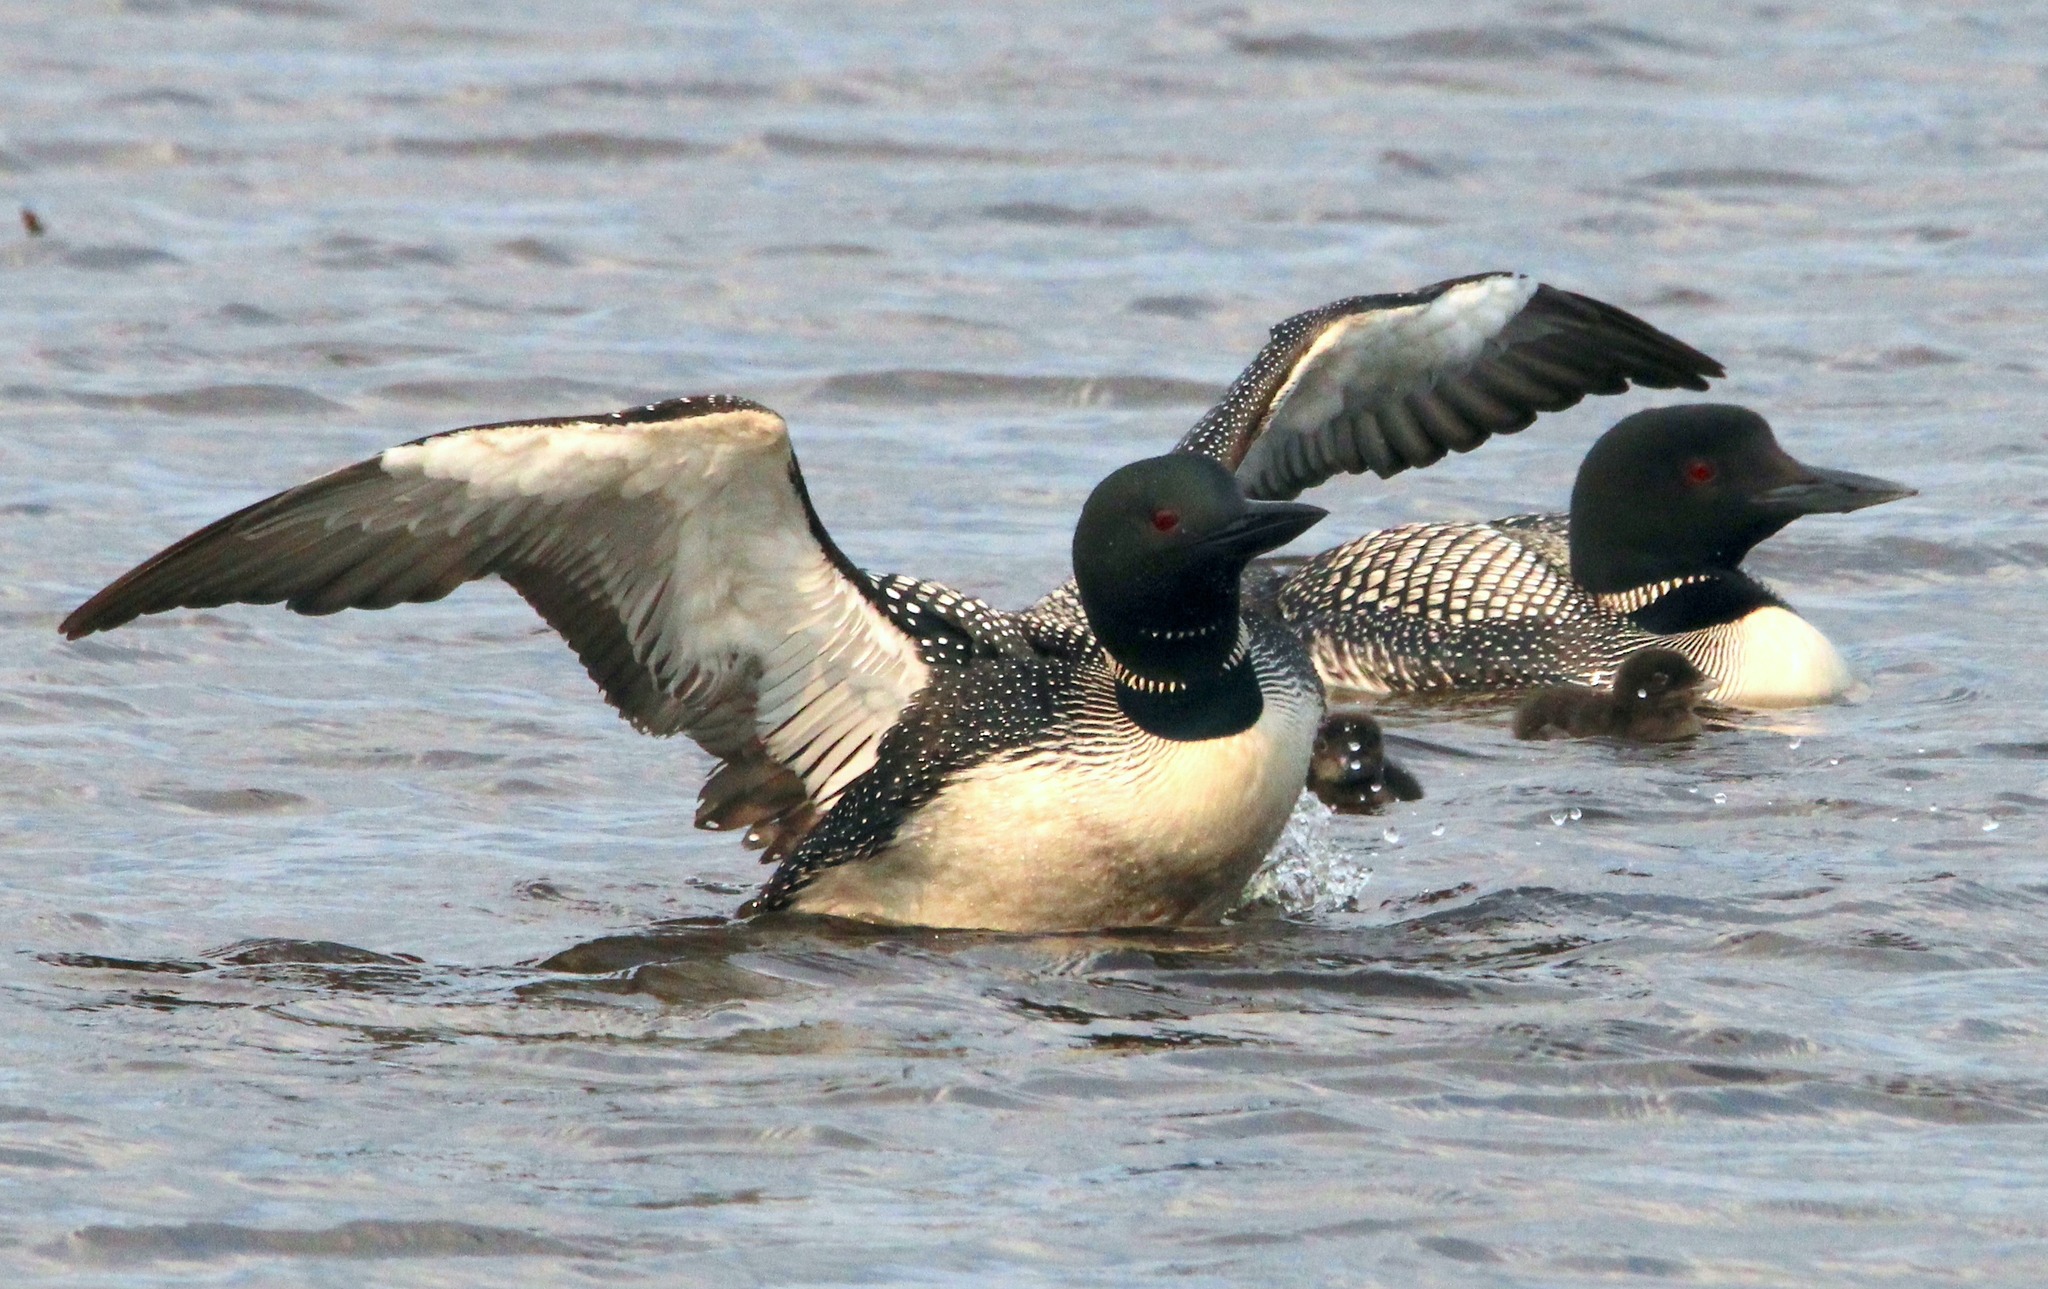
1667 504
1655 698
908 754
1349 770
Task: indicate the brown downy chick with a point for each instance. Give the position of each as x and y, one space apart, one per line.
1655 699
1349 770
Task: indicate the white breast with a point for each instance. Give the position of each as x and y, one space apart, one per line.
1771 657
1163 833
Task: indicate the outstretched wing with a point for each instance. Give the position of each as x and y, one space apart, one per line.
1386 382
674 546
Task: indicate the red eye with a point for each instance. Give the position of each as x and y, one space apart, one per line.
1166 520
1699 472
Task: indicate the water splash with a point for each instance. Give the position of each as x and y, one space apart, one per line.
1308 872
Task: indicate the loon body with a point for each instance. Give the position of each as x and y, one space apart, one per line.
907 754
1065 803
1666 506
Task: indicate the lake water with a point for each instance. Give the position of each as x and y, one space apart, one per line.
374 949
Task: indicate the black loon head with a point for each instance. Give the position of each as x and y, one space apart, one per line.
1158 555
1688 490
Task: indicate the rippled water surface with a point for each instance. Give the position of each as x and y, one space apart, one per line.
374 949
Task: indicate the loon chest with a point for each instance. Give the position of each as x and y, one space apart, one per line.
1114 827
1769 657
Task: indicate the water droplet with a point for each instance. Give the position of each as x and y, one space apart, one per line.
1990 825
1933 809
1720 798
1558 817
1390 836
1577 814
1834 760
1438 831
1796 742
1694 791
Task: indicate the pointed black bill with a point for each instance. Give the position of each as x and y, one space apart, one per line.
1832 492
1265 525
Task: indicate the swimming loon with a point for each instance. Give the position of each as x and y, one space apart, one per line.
1348 769
1667 504
908 754
1655 698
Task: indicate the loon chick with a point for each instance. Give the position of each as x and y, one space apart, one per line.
1667 504
1349 770
910 755
1655 699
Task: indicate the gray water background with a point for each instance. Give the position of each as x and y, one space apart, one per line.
374 949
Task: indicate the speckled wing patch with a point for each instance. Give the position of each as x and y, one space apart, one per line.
1548 534
1449 606
1057 624
950 629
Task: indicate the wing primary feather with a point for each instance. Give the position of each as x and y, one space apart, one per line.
1407 434
1375 452
1588 373
1513 386
1484 414
1348 442
360 580
1571 381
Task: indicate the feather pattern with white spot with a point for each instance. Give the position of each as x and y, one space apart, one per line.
1441 607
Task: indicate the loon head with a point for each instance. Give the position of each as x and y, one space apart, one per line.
1688 490
1657 696
1348 769
1158 554
1658 679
